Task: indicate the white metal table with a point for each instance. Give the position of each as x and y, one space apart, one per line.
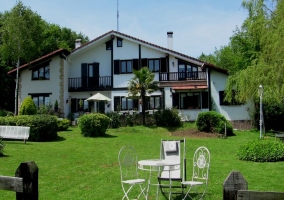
156 165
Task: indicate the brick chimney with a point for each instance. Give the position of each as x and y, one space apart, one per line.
170 40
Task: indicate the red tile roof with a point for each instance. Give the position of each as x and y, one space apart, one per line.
41 59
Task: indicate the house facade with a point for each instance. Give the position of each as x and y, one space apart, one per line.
105 65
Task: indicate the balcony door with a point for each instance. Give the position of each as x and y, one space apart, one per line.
90 75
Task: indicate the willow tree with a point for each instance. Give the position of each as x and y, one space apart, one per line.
20 38
142 83
264 30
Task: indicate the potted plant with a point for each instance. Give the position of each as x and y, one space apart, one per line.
56 106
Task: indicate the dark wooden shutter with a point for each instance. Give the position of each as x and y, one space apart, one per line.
175 97
84 74
96 75
135 64
164 67
144 62
205 100
116 67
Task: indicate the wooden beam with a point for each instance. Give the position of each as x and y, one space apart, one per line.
11 183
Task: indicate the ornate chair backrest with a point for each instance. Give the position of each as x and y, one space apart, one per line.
201 164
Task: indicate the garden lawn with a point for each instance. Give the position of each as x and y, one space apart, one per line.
76 167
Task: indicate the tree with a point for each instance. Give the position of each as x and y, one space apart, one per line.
21 30
142 83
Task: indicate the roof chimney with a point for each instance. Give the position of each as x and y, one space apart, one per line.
77 43
170 40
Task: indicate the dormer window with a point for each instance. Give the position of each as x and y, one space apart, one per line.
41 73
119 42
108 45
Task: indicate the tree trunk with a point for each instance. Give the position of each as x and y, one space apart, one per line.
16 89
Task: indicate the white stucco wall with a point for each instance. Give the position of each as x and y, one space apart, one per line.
231 112
42 86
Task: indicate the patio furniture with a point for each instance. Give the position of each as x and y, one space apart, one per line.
156 165
127 159
200 173
173 150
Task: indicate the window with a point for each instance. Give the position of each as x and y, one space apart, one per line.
187 71
41 99
154 65
224 102
108 45
41 73
122 66
126 66
154 102
119 42
123 103
188 100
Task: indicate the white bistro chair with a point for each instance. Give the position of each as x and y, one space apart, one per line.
127 159
172 150
200 174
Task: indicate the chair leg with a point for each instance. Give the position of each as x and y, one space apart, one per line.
126 192
142 191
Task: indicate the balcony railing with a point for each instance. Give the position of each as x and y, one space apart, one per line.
179 76
89 83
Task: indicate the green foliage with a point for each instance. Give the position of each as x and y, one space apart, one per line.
213 122
114 119
42 127
94 124
1 146
143 82
4 113
45 109
262 150
71 116
28 107
56 105
62 124
167 117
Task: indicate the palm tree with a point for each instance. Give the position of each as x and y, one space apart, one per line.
142 83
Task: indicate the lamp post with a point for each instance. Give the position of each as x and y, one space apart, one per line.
260 92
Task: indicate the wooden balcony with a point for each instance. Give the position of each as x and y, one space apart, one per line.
89 84
182 76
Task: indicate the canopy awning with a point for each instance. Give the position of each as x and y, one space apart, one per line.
190 87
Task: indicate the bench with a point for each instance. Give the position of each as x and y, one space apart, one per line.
15 132
280 136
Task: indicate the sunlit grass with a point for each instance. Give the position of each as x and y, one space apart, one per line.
75 167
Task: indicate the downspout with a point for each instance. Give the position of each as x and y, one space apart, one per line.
112 61
209 89
139 57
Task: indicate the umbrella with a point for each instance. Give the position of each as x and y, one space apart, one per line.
98 97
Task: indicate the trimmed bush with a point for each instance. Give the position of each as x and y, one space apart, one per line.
1 146
28 107
42 127
94 124
62 124
114 119
168 117
213 122
262 150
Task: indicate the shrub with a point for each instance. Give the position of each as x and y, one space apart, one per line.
46 109
213 122
114 119
4 113
42 127
1 146
28 107
261 150
167 117
94 124
62 124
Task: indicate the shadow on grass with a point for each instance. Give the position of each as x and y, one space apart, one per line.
4 156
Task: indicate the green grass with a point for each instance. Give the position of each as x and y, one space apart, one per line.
75 167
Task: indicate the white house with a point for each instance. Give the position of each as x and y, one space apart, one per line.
105 65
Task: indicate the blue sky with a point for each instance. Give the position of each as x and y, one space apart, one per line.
198 25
